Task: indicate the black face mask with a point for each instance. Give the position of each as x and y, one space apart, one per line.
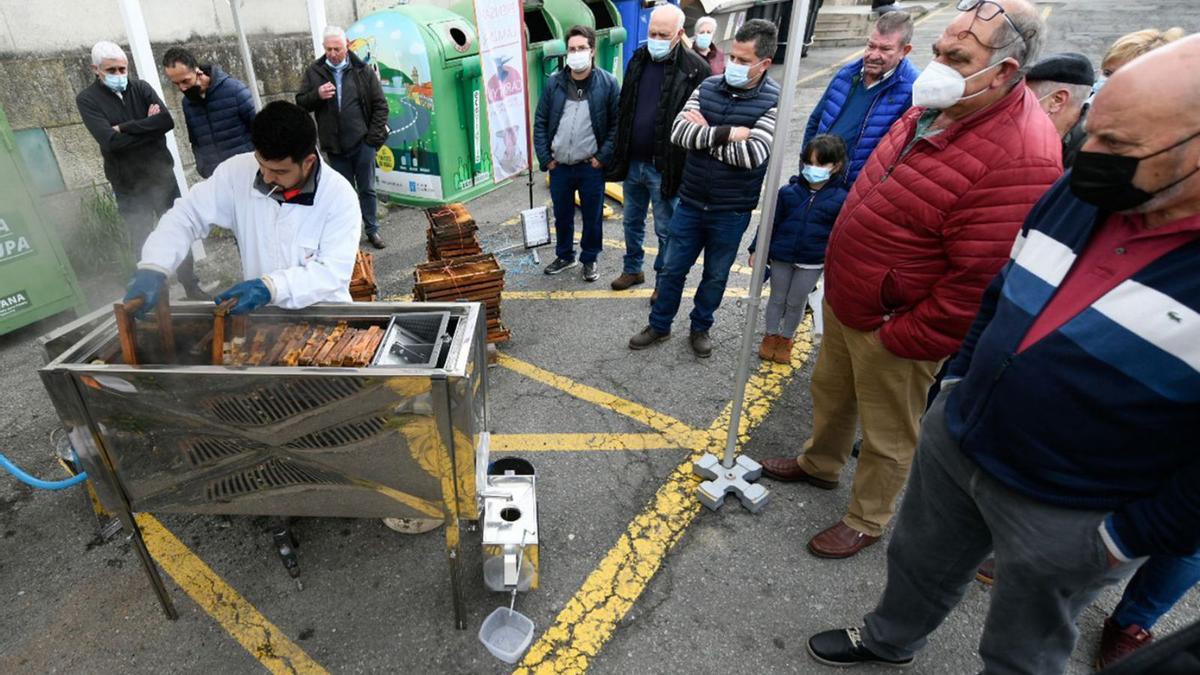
1107 180
194 94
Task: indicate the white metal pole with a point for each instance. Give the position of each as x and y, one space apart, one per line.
147 68
316 25
779 163
251 80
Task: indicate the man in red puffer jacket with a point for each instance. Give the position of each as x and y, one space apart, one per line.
929 222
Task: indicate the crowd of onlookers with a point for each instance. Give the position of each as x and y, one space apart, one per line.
1008 245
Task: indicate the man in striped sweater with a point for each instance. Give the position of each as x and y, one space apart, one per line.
1065 436
727 126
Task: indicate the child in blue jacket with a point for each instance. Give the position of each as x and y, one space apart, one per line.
804 215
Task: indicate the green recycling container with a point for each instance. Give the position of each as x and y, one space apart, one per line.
36 279
601 16
427 60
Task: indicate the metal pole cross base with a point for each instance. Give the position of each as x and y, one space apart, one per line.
736 479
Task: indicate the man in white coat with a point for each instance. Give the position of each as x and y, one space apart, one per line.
296 221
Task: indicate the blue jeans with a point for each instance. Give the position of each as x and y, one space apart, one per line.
719 235
565 181
358 167
1153 591
642 188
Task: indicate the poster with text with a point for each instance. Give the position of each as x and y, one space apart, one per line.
502 53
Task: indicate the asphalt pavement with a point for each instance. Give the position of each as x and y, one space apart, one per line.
635 578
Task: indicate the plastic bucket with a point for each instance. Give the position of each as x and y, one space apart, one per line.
506 634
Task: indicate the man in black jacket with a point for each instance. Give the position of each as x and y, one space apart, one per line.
217 107
131 123
658 80
352 115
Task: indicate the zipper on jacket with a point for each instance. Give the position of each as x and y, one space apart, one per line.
978 410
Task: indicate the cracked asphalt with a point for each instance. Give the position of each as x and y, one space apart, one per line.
735 591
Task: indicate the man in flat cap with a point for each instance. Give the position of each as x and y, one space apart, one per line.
1063 84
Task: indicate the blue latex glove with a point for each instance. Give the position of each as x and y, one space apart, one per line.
250 296
147 284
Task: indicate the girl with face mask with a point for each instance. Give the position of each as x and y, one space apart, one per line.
804 215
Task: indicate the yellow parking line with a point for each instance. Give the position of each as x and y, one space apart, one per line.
1046 12
671 428
236 615
730 292
589 619
580 442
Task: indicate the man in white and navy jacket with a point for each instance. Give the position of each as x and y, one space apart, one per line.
1066 435
295 220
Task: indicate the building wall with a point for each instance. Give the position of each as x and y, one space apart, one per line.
45 58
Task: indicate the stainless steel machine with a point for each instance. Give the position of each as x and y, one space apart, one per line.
405 437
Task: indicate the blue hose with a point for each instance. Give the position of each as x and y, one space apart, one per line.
39 483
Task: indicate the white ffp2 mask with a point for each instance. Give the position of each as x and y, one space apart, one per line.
940 86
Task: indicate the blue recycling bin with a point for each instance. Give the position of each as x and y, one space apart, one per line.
635 17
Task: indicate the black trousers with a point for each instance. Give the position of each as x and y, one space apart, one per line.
141 209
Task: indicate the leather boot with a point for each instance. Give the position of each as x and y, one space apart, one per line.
783 350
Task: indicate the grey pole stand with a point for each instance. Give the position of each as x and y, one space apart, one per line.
734 473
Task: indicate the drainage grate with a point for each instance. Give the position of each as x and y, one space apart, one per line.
201 451
274 404
344 434
271 474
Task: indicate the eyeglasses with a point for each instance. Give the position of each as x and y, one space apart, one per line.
986 10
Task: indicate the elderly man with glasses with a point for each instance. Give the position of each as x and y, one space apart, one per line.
928 223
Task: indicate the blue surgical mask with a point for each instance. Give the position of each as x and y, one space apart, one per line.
340 66
737 75
117 83
703 40
1098 84
658 48
816 174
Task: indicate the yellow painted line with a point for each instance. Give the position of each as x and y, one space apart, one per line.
730 292
676 431
589 618
1047 12
615 191
581 442
236 615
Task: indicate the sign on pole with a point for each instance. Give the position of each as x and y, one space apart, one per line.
502 57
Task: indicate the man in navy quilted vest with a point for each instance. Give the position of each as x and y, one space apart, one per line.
1065 435
868 95
727 126
218 109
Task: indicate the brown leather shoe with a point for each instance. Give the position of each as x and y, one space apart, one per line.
839 541
783 350
786 470
766 350
1116 643
626 280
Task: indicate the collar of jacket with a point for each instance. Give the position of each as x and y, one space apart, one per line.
1010 100
216 77
738 92
307 193
99 84
643 53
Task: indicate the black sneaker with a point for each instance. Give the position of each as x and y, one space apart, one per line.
701 343
589 272
844 647
647 338
559 265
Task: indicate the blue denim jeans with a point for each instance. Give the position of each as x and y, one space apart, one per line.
719 235
358 167
1158 584
565 181
642 188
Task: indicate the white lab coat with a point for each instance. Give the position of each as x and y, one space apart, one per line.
305 254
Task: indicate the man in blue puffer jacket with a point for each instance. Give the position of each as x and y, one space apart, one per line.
218 109
868 95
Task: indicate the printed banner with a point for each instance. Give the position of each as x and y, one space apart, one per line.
502 53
